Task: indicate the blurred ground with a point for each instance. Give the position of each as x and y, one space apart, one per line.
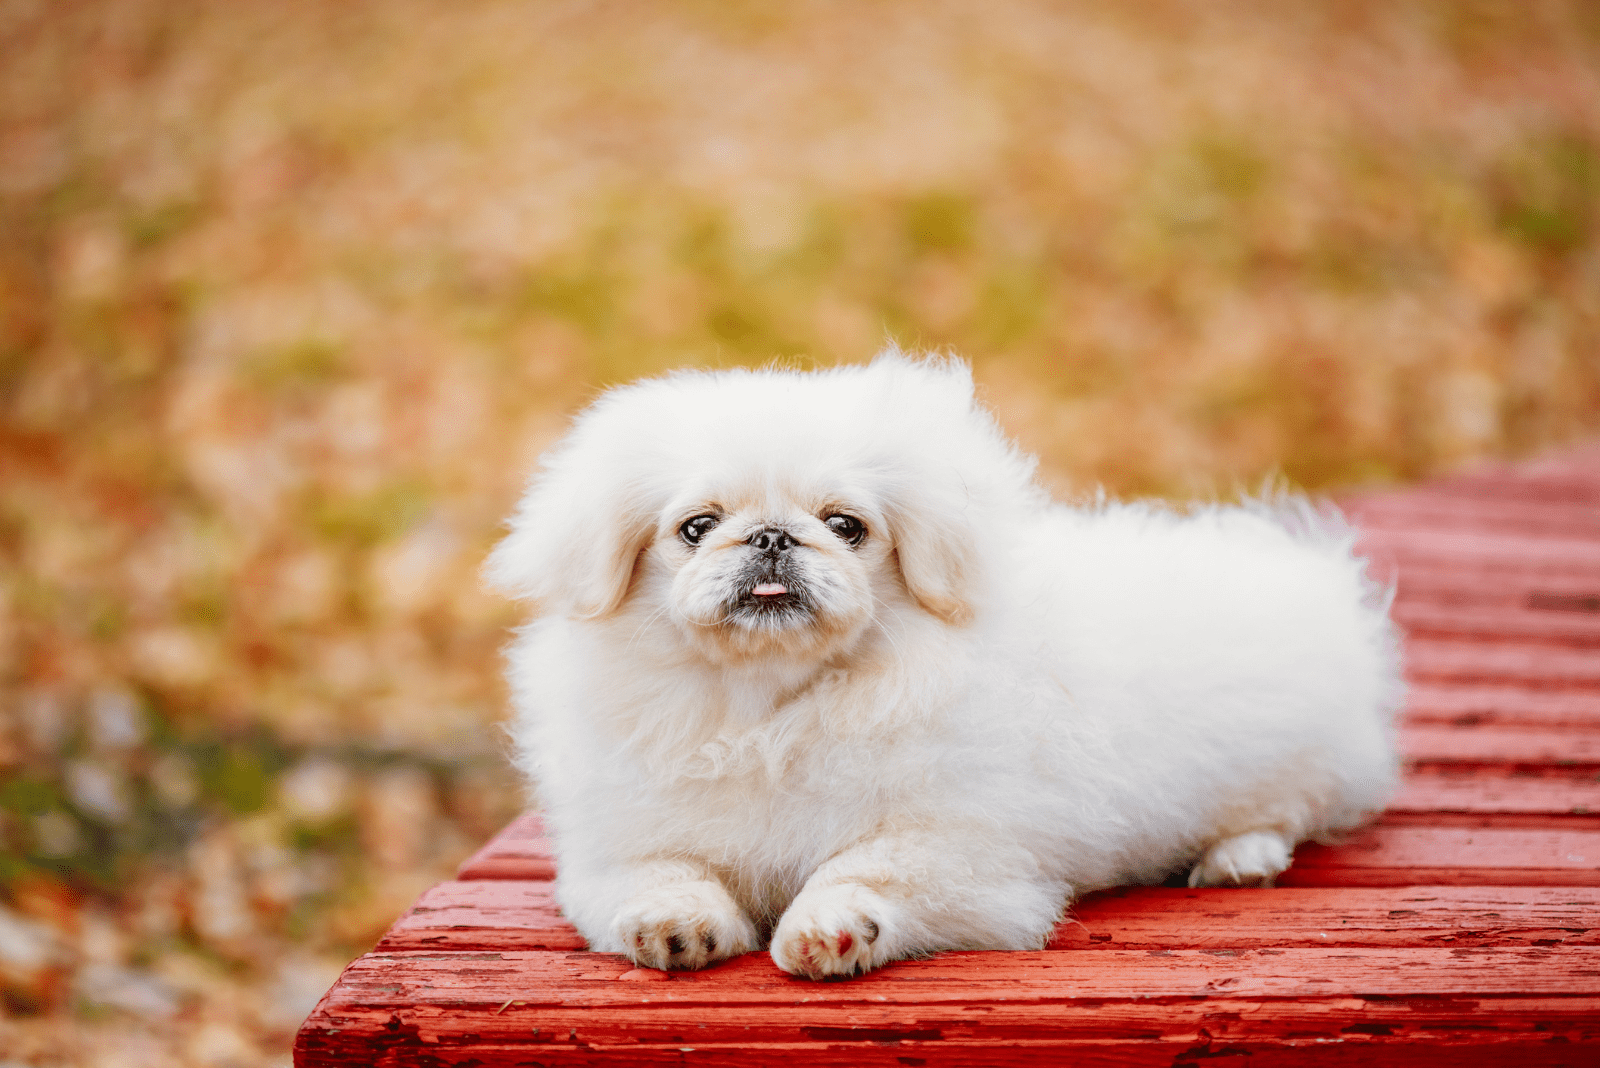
293 294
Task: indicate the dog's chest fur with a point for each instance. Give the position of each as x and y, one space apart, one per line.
767 770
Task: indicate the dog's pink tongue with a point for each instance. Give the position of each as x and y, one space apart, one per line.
769 589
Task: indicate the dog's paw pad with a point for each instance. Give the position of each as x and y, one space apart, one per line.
684 925
1253 859
828 933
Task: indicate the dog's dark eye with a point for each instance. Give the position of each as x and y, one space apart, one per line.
697 528
848 527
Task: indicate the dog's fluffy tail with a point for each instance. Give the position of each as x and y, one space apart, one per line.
1323 524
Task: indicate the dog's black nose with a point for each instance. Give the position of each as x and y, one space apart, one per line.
772 540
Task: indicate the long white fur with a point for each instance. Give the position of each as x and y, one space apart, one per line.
1003 702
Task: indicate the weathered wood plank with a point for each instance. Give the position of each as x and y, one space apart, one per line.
1450 856
1221 1028
1490 743
1166 918
1476 550
390 982
504 915
1500 791
965 1007
1525 663
1383 855
1559 1044
1502 703
1454 584
1425 508
484 914
521 851
1515 623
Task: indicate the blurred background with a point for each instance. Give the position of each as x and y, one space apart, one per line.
293 294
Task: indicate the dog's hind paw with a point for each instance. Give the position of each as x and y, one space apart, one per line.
1255 858
683 925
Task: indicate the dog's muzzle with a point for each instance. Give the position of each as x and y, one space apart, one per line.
769 587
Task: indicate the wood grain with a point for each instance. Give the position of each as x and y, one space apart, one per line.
1491 790
1450 856
1524 663
1472 550
501 915
394 982
962 1007
1502 702
1488 585
521 851
1489 743
484 914
1426 509
1382 855
1164 918
1520 623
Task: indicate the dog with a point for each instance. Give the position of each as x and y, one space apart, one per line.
817 665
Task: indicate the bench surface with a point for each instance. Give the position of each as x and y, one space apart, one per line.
1462 927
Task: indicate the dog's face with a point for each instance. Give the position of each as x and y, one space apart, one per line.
773 566
767 512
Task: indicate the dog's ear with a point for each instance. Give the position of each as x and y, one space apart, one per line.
575 538
938 554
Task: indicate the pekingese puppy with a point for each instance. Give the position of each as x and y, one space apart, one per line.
817 665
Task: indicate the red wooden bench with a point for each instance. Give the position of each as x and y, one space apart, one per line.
1463 927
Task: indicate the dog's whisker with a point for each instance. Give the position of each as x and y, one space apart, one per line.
638 631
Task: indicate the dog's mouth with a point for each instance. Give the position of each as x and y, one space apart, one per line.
769 596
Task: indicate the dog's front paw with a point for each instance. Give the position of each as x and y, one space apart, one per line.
683 925
1252 859
831 931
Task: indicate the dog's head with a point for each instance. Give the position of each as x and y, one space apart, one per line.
771 510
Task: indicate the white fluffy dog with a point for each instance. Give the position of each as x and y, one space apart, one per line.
818 665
